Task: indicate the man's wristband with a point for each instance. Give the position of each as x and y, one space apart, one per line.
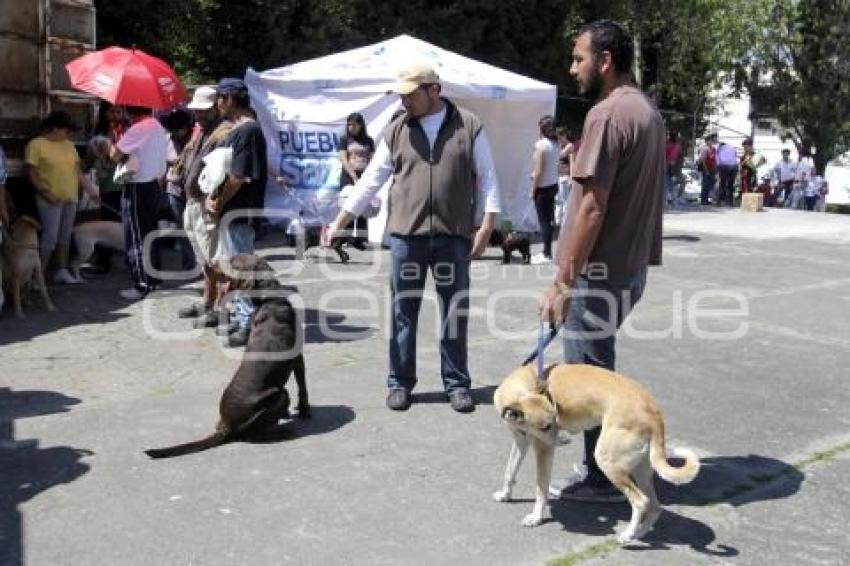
563 288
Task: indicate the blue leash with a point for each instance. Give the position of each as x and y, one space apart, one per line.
545 335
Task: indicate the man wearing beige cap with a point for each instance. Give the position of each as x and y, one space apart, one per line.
441 165
201 228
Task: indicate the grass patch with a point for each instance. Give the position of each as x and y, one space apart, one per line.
824 456
838 208
599 550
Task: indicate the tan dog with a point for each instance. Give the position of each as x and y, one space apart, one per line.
22 263
579 397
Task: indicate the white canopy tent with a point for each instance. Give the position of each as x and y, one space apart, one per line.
303 108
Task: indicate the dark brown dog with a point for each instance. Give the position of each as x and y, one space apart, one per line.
313 239
514 241
256 398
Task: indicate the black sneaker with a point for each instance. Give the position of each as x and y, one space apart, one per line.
461 401
208 319
194 310
399 399
238 338
588 490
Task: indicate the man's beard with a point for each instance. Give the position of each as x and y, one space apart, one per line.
593 88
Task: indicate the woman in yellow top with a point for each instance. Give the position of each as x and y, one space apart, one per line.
53 166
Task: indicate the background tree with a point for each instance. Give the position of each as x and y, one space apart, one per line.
799 72
686 49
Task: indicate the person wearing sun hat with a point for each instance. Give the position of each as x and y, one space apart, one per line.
201 228
442 168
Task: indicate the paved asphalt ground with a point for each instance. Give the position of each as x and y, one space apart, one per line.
85 390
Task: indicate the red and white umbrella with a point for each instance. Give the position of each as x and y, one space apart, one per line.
127 77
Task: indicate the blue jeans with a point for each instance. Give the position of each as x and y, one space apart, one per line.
597 310
447 259
238 238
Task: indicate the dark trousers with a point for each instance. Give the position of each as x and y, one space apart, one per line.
783 191
709 180
727 184
361 223
446 257
544 204
139 213
591 339
811 202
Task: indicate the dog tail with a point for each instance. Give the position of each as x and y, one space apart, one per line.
215 439
658 458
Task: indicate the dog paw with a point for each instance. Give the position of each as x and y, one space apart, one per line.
304 413
502 495
626 537
532 520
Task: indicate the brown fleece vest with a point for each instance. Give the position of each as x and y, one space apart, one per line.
433 191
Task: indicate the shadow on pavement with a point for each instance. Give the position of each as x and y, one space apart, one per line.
736 480
26 469
325 419
93 303
323 326
481 396
682 238
672 529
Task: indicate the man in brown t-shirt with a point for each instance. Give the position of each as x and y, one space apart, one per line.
614 228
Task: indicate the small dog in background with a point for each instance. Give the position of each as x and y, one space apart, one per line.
514 241
23 264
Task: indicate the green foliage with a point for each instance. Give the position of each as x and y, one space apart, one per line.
799 72
687 49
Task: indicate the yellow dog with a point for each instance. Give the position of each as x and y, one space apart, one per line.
579 397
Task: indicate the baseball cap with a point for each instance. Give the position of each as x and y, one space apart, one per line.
203 98
412 77
231 86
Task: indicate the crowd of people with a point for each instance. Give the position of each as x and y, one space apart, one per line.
793 184
610 230
142 167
